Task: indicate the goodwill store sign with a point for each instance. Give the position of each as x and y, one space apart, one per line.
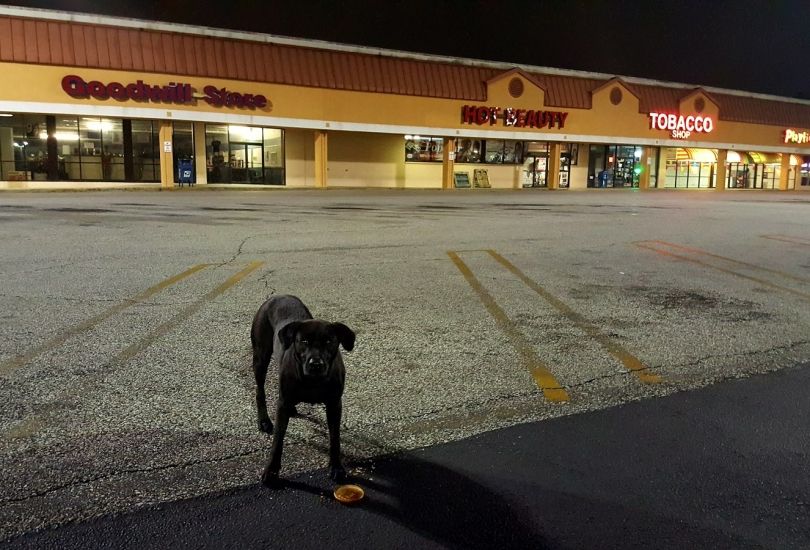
173 92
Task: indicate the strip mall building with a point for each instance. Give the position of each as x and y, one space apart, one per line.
89 101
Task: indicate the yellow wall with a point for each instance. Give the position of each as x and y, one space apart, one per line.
579 173
423 175
300 158
366 160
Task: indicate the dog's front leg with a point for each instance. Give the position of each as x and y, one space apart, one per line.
270 476
334 410
260 363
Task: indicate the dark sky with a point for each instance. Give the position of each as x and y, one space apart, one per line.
755 45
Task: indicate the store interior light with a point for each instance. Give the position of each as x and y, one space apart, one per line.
97 125
61 136
6 114
408 136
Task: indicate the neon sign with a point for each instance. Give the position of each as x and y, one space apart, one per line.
681 127
794 136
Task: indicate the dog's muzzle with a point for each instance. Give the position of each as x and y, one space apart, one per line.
315 366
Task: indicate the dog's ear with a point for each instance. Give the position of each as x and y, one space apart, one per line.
287 333
344 334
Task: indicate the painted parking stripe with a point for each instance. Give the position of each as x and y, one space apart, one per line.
552 390
36 422
630 361
11 365
166 327
754 267
659 250
787 239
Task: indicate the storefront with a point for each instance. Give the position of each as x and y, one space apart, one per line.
134 104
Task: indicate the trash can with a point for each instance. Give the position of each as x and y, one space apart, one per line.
185 172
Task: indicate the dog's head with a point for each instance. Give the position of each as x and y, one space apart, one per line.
315 344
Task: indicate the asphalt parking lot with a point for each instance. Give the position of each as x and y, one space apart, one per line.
125 352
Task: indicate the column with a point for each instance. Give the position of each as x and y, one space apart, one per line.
200 158
554 165
785 172
166 157
644 175
321 150
448 163
720 172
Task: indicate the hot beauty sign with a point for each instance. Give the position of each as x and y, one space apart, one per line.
679 126
516 118
173 92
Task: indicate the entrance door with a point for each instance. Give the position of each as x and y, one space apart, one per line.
246 162
535 171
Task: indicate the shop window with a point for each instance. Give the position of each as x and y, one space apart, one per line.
217 153
23 147
423 149
469 150
273 139
145 150
244 154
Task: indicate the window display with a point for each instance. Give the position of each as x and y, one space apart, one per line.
423 149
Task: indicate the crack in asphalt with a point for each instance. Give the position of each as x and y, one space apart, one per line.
109 475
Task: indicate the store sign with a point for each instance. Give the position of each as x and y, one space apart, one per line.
515 118
681 127
795 136
174 92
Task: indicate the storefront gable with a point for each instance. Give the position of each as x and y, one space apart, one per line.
616 98
516 89
698 102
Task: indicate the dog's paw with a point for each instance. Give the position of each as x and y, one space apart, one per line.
271 480
266 426
337 474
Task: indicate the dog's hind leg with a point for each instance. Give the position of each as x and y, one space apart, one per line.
260 363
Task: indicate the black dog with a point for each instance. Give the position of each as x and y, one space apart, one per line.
310 370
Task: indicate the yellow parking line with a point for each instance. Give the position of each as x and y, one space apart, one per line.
799 293
552 390
166 327
786 239
630 361
731 260
9 366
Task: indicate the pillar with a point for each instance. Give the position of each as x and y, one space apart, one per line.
166 157
448 163
720 172
200 158
644 175
321 154
554 165
785 172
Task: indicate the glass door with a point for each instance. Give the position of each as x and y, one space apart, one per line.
246 162
535 171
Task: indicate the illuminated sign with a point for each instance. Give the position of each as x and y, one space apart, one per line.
794 136
681 127
514 118
174 92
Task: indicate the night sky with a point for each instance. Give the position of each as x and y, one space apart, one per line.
755 45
